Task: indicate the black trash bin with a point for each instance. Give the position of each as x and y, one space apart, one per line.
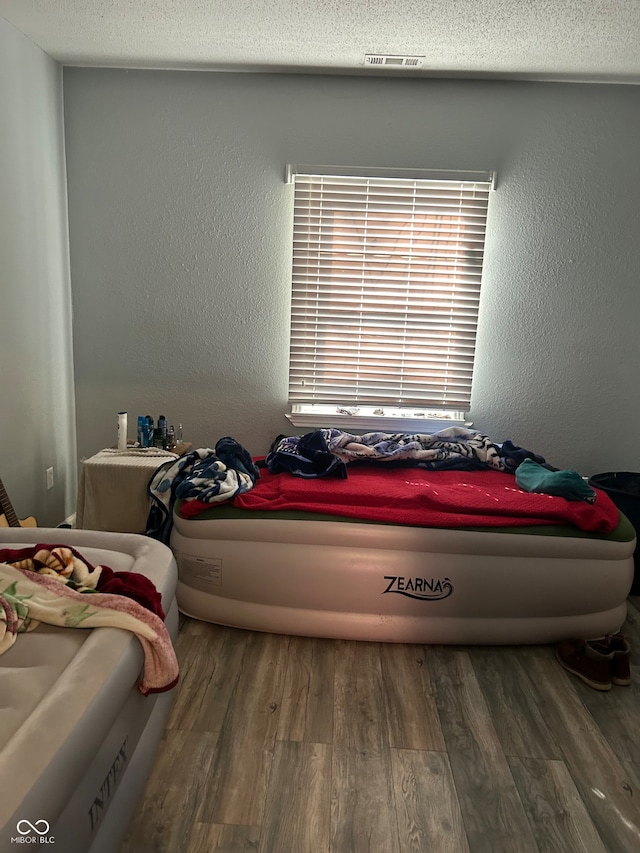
623 487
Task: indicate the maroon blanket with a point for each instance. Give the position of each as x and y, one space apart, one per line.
419 497
64 561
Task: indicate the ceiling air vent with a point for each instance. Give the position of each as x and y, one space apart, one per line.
388 60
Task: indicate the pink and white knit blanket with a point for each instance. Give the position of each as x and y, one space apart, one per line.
29 597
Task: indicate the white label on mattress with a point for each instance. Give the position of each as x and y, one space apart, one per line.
207 569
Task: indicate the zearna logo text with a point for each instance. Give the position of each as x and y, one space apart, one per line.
424 589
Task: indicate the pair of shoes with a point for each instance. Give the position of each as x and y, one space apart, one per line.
621 664
599 663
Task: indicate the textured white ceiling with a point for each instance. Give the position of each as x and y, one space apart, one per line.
533 39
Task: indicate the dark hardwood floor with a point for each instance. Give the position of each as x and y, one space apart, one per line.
281 744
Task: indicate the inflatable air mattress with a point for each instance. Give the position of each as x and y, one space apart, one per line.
77 735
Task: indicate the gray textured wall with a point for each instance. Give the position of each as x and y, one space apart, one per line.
180 245
37 415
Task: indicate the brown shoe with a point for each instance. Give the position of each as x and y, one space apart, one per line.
621 664
589 661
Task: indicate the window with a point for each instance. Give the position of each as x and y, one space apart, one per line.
386 285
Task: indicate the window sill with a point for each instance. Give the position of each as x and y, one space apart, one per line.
373 423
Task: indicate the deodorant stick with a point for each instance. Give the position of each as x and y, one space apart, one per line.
122 430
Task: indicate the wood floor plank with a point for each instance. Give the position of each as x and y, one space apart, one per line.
237 786
429 816
616 713
558 816
363 811
173 794
604 783
210 658
307 703
296 817
494 817
220 838
618 719
239 760
512 700
412 715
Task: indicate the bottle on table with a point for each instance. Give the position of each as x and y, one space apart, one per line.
150 432
171 438
142 436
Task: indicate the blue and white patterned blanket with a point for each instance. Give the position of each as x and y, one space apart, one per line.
328 451
211 476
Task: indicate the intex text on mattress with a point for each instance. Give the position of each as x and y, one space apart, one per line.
77 737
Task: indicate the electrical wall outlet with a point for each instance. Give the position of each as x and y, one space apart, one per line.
49 478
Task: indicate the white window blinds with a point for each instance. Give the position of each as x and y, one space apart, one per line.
386 287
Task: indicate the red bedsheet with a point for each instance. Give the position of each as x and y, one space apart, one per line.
419 497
